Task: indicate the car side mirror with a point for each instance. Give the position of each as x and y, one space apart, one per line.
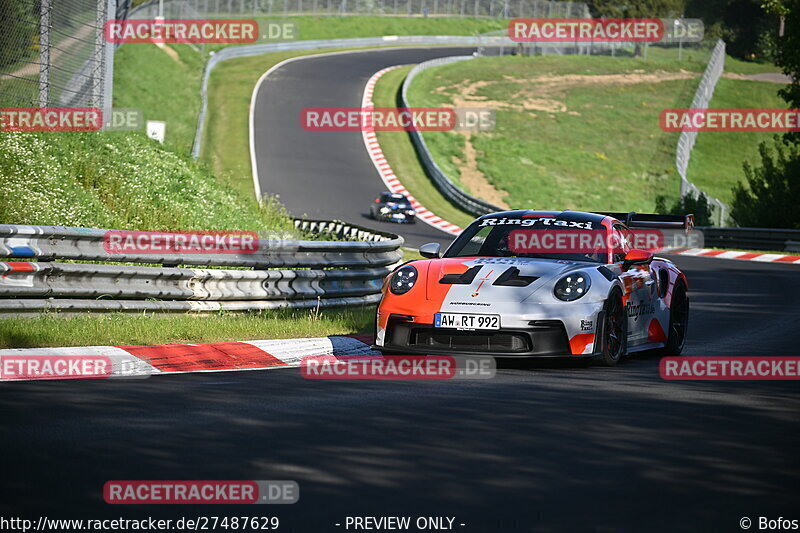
637 257
430 250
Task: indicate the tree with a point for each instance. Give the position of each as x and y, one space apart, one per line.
773 192
637 9
744 25
687 205
773 189
788 53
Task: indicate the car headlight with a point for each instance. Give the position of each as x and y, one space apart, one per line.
385 210
572 286
410 212
403 280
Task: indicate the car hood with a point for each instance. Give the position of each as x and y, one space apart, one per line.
455 277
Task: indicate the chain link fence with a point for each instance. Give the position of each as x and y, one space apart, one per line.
53 52
432 8
683 152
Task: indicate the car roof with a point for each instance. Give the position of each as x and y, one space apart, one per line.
572 216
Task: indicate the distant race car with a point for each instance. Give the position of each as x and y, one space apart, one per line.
492 293
392 207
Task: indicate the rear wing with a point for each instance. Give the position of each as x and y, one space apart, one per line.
641 220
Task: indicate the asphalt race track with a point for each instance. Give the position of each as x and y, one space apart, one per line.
553 448
325 174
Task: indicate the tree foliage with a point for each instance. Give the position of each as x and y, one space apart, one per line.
638 8
772 194
688 205
788 54
744 25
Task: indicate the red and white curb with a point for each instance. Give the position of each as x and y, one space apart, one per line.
385 170
740 256
143 361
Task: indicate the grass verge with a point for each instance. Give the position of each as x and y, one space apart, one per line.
121 329
120 181
572 132
311 28
164 85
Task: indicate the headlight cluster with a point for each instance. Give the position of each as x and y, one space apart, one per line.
572 286
410 212
385 210
403 280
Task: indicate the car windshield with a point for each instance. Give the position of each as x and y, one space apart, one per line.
394 198
541 242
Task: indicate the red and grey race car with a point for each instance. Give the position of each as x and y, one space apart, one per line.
493 293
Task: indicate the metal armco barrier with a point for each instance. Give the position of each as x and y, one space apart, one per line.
71 280
451 191
280 273
22 308
47 243
778 240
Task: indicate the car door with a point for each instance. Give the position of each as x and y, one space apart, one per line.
640 290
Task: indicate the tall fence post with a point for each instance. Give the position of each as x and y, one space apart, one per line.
98 82
44 54
108 74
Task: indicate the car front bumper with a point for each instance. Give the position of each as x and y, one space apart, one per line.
541 339
401 219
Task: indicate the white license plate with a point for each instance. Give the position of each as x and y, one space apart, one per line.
468 322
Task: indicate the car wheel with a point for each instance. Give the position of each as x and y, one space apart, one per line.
615 330
678 321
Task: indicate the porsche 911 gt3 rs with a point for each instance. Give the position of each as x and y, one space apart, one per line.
488 294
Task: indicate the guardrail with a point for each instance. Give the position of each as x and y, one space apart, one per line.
451 191
283 273
778 240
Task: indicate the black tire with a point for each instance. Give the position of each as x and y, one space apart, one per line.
678 321
615 330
